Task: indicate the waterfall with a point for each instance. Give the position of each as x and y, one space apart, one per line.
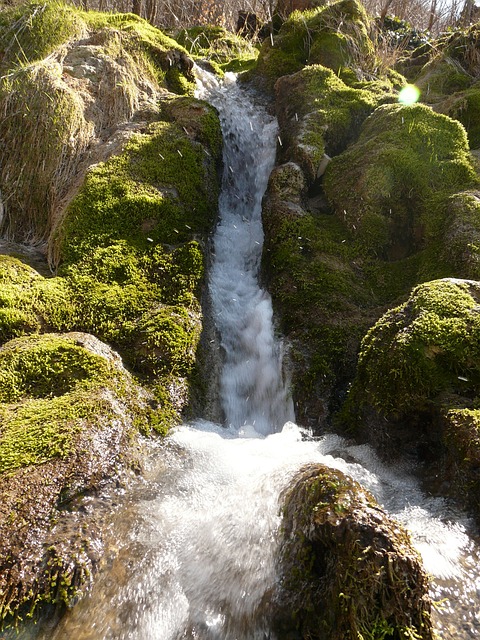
252 388
190 548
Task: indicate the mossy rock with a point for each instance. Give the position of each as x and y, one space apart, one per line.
318 114
162 188
464 107
459 465
69 412
334 35
461 239
441 77
83 75
348 570
30 303
391 186
417 380
423 349
323 298
227 51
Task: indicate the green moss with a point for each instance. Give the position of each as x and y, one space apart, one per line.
422 349
321 114
50 386
391 187
31 31
43 366
30 303
334 35
464 107
229 51
346 573
157 190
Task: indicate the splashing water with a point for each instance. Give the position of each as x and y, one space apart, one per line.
191 547
252 387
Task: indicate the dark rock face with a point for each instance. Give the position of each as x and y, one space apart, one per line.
348 570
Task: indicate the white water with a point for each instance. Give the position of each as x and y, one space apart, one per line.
252 388
191 547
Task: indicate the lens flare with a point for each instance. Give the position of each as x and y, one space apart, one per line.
409 94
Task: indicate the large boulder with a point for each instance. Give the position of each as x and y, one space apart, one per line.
334 35
417 381
391 186
89 80
69 414
348 570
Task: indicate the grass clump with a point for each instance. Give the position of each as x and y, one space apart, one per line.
224 50
44 133
33 30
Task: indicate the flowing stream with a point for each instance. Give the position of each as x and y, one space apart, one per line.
191 546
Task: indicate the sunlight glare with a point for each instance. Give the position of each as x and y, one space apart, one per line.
409 94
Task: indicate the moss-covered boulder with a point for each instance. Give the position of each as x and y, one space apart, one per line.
417 381
318 114
334 35
391 186
222 50
404 210
445 66
69 413
464 106
348 570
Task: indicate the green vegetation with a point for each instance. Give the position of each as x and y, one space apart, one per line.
157 190
391 187
52 388
422 350
334 35
225 51
320 113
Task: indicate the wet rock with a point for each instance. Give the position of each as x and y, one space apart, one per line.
69 413
348 570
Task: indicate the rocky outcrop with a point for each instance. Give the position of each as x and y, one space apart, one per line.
90 80
113 171
370 198
348 570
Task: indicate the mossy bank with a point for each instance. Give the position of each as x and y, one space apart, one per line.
369 198
112 172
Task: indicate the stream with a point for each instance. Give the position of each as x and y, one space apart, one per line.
191 545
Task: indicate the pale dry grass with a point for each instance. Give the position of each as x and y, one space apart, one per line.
44 131
55 117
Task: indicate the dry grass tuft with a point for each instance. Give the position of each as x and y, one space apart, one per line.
42 121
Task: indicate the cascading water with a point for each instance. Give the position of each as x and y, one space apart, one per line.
191 546
252 388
